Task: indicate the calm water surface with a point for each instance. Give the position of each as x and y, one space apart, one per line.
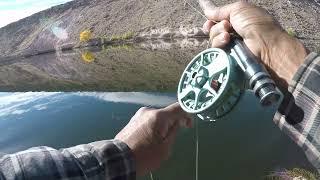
244 145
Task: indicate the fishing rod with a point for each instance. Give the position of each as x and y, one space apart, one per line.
215 79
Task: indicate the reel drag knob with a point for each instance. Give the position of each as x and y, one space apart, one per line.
211 85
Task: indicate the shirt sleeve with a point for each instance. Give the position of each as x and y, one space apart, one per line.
298 115
102 160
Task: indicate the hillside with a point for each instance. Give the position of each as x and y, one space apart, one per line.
60 25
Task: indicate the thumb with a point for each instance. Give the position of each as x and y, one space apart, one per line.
215 13
206 5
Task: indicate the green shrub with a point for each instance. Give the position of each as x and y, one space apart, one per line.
291 32
125 36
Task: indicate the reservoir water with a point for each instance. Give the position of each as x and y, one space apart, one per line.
88 95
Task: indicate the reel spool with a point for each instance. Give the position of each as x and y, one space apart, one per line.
211 84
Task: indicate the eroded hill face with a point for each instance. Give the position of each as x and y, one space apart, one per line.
62 24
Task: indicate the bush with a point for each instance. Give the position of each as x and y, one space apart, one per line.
85 36
291 32
125 36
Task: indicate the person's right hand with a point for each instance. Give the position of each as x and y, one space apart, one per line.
281 53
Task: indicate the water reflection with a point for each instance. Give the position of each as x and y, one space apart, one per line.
113 68
245 142
33 108
20 103
88 56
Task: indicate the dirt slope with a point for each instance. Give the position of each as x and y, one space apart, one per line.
62 24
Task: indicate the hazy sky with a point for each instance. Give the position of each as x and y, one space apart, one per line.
13 10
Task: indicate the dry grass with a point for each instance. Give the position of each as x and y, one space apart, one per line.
293 173
125 36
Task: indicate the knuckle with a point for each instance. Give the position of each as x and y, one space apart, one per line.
155 114
218 11
142 110
225 25
217 43
225 36
213 31
243 4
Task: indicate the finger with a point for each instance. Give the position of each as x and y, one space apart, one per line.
175 111
174 108
220 13
206 4
142 110
221 40
169 140
172 134
190 123
185 123
165 127
176 114
207 26
223 26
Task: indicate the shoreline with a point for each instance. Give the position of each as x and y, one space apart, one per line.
150 42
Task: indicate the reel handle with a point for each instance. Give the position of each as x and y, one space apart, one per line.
259 79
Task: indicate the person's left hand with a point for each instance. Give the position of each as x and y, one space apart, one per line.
150 134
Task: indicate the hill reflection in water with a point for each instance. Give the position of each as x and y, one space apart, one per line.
115 68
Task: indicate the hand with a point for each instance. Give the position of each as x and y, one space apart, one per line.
281 53
150 134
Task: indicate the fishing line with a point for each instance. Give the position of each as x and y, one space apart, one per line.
197 148
202 14
185 1
196 121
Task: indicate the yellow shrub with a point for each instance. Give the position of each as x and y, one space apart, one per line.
85 36
88 56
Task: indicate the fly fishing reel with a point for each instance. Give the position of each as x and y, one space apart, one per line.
215 79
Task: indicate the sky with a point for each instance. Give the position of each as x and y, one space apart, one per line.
14 10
